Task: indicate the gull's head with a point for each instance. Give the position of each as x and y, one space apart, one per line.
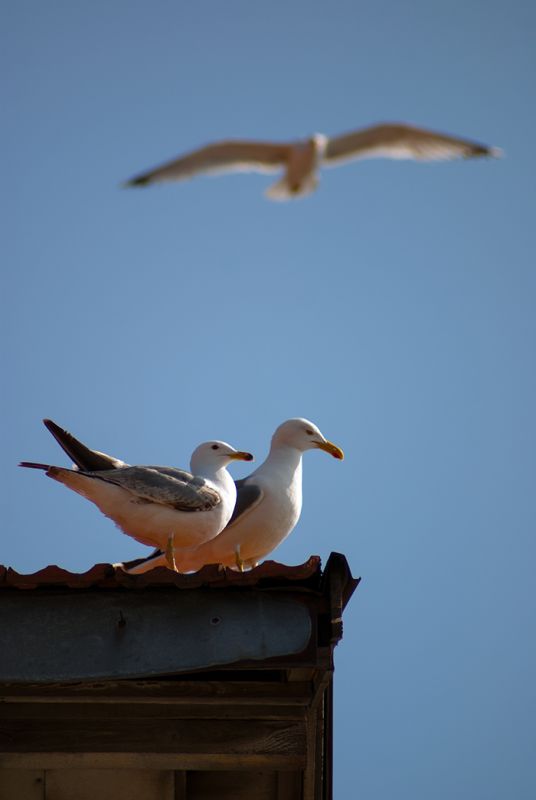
302 434
215 455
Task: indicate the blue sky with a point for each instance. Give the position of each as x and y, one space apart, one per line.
394 307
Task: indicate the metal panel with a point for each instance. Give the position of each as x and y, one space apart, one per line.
64 637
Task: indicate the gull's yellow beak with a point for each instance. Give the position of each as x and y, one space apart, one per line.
240 455
331 448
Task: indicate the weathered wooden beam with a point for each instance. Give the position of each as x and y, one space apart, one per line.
88 784
140 713
174 692
180 785
148 784
22 784
309 775
260 785
289 785
142 760
216 737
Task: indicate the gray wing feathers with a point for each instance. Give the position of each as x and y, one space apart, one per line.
165 485
247 496
401 141
178 474
218 157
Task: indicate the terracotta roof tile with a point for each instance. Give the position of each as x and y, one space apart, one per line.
106 576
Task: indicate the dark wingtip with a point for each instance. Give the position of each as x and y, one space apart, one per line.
484 150
57 432
33 465
140 180
51 425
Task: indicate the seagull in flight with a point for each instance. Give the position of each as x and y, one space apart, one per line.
158 506
301 160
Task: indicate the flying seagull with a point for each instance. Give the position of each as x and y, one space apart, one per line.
268 506
155 505
301 159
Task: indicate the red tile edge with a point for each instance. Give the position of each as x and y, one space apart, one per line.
106 576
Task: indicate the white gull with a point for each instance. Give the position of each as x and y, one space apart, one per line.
301 159
154 504
268 506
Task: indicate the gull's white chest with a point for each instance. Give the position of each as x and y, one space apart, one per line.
280 507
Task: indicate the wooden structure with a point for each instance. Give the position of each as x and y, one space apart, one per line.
169 687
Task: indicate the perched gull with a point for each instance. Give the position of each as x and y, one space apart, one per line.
301 159
155 505
268 506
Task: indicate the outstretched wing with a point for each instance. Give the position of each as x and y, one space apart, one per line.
168 486
397 140
225 156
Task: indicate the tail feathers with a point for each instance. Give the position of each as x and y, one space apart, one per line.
282 190
34 465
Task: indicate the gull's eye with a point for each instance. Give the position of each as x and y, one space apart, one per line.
309 432
215 447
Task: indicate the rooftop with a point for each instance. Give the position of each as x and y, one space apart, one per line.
106 576
215 683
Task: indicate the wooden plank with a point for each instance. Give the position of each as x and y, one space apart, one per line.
180 785
322 680
290 785
106 784
300 674
22 784
327 744
232 785
320 750
173 761
172 691
154 711
217 737
309 777
118 634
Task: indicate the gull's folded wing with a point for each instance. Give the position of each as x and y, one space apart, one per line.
248 495
168 486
